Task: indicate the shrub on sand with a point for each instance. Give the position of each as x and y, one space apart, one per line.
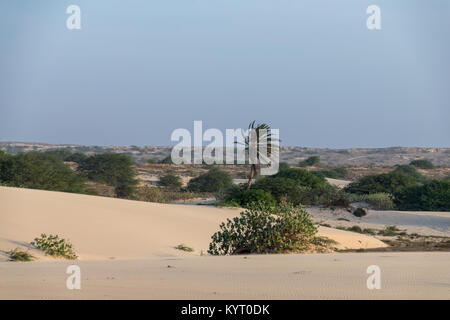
184 247
55 246
20 255
265 229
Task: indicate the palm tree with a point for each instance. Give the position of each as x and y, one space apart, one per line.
260 137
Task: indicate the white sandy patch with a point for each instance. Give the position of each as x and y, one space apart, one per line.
423 223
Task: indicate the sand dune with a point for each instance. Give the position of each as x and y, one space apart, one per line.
104 228
126 252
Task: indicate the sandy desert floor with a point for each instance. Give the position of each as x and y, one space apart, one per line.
126 251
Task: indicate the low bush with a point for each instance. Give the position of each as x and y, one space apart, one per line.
382 183
379 201
247 197
355 229
55 246
20 255
422 164
171 181
301 177
113 169
411 171
432 196
265 229
337 173
389 231
283 166
311 161
184 247
214 181
38 170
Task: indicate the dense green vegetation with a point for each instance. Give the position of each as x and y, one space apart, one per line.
171 181
113 169
245 197
67 155
422 164
214 181
311 161
405 189
37 170
411 171
337 173
387 183
431 196
265 229
294 186
378 201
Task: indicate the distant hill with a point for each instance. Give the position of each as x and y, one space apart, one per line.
333 157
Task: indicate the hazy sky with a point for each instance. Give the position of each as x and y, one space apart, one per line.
138 69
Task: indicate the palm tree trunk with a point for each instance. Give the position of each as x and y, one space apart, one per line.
252 174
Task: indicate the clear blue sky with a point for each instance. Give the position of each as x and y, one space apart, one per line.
139 69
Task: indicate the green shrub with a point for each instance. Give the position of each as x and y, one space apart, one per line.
422 164
411 171
38 170
67 155
247 197
298 186
113 169
302 177
432 196
379 201
20 255
311 161
55 246
279 188
265 229
355 229
171 181
382 183
389 231
337 173
372 232
214 181
184 247
283 166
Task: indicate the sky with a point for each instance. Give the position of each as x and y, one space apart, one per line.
139 69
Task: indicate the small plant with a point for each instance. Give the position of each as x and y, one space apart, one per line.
389 231
355 229
184 247
55 246
369 231
20 255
